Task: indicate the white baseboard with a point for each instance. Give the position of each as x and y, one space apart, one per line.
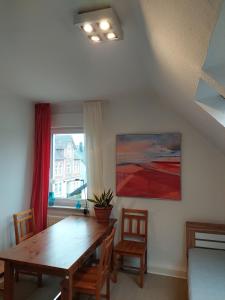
168 272
158 270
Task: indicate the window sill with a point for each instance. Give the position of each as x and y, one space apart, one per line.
64 211
58 207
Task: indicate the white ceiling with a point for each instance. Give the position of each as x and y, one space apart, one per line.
44 57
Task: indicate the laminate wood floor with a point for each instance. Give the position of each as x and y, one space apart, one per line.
155 288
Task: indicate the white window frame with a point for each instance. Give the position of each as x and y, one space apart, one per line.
64 202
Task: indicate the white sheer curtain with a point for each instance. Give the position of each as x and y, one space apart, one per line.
94 153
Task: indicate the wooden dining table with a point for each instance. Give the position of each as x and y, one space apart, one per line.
58 250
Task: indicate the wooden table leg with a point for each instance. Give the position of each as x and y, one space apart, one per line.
8 281
66 288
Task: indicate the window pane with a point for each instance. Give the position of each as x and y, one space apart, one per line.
69 179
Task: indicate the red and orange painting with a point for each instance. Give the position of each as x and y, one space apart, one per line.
149 165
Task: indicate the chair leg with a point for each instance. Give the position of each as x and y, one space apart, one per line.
39 280
17 276
142 270
121 262
146 262
97 295
114 277
108 288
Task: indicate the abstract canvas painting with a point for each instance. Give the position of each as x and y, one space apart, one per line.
149 165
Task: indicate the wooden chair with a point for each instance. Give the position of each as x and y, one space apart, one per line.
24 226
134 235
1 276
90 280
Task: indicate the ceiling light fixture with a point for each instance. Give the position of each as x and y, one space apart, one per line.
111 36
88 27
104 25
95 38
99 25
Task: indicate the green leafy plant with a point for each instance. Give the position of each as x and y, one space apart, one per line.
103 200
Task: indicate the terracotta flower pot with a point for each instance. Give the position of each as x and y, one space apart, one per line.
103 213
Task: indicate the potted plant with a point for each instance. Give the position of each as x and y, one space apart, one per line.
102 206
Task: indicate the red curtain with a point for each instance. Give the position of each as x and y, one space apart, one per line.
42 145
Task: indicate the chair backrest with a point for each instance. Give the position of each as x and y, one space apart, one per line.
24 225
104 266
134 224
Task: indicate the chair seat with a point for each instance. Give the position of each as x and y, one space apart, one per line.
86 278
2 264
130 247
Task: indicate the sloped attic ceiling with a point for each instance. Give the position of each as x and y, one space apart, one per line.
43 57
179 32
211 88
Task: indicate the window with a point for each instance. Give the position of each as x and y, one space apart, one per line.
68 168
76 166
58 168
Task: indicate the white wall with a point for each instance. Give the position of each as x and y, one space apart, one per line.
16 140
203 179
203 176
67 120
